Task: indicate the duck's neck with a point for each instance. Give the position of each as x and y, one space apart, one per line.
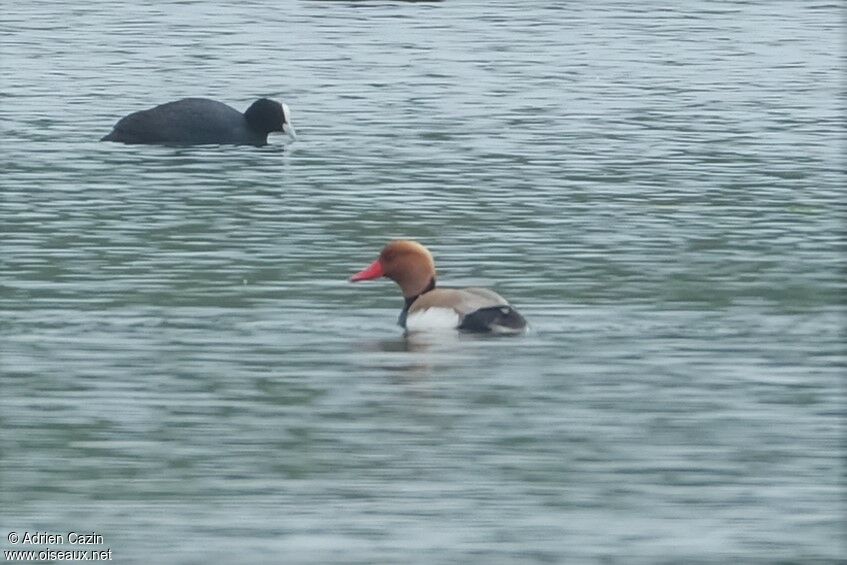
411 300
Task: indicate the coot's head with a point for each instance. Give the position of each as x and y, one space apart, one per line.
266 115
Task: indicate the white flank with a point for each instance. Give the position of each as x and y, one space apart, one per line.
287 126
432 319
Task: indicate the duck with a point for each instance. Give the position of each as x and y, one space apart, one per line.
197 121
431 308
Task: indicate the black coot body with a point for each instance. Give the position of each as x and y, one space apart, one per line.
196 121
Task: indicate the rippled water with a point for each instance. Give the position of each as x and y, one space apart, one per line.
659 188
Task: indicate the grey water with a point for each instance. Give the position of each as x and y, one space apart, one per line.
658 187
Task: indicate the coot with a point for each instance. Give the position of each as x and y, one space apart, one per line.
195 121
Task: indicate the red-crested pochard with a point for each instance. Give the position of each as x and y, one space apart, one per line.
411 266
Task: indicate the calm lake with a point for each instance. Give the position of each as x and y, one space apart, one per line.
658 187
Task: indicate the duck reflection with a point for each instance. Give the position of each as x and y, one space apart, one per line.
418 353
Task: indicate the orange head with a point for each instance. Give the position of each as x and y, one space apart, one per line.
408 263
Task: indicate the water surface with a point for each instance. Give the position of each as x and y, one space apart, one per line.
659 189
